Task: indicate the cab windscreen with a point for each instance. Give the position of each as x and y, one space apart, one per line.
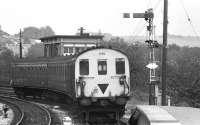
120 66
84 67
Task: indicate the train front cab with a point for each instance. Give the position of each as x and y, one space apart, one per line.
102 76
102 80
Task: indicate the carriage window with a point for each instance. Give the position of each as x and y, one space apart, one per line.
84 67
120 66
102 67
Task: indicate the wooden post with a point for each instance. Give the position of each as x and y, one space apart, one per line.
164 52
20 44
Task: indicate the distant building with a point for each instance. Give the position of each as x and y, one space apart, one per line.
64 45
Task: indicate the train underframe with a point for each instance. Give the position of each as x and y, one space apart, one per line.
103 110
42 93
101 115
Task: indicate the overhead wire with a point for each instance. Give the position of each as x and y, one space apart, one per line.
189 20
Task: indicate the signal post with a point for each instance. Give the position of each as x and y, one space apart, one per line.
152 44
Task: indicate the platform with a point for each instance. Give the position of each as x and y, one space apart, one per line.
164 115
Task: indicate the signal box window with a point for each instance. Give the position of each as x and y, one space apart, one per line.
102 67
84 67
120 66
68 49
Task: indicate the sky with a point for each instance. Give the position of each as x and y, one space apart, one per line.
106 16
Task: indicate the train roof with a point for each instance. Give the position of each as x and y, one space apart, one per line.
102 47
45 59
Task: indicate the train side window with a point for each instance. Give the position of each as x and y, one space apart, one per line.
120 66
84 67
102 67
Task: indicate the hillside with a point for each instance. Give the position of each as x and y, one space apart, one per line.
172 39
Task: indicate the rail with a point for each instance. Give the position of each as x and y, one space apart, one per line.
24 107
48 113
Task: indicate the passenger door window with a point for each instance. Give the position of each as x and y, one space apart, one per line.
102 67
120 66
84 67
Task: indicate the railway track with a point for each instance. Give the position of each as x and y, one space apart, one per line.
34 114
7 91
56 115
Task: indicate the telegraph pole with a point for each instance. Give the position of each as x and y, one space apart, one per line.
20 44
164 52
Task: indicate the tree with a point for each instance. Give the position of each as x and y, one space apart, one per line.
30 33
183 70
46 31
183 75
36 50
36 33
6 58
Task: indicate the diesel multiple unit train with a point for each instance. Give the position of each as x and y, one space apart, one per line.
95 80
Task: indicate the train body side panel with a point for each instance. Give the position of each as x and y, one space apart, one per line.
5 73
29 76
56 75
61 78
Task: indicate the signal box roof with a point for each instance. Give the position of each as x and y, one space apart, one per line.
83 36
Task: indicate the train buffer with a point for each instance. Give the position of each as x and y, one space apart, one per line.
163 115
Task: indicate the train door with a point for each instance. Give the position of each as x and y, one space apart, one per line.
102 81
